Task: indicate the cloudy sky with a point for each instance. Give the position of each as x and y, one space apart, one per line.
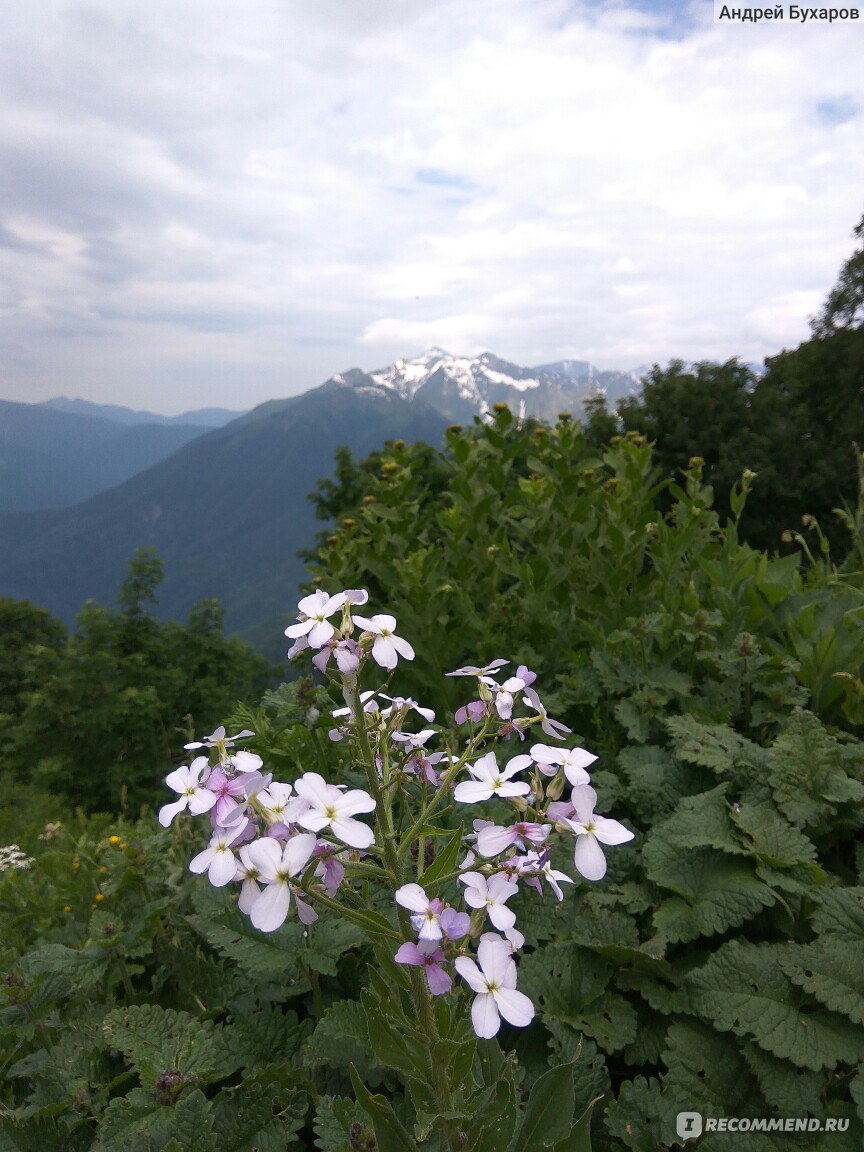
218 202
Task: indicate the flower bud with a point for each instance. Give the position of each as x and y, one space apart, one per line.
555 787
520 803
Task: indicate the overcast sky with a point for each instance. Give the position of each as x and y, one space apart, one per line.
218 202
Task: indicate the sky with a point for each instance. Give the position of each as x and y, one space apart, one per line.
217 203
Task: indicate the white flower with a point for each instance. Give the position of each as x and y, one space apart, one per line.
218 739
490 780
217 860
504 693
470 670
187 781
397 703
494 981
387 647
329 805
426 920
491 894
275 866
592 831
574 760
553 728
314 611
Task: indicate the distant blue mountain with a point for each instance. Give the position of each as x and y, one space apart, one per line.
53 459
203 417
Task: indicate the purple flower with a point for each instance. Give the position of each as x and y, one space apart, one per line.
428 955
455 924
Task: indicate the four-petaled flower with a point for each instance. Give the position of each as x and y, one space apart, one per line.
217 859
426 920
573 760
428 954
329 805
490 780
313 616
387 647
491 894
275 866
493 978
592 831
193 794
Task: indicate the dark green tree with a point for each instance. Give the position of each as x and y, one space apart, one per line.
127 692
844 307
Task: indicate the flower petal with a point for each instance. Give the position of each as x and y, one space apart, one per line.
271 908
484 1016
515 1007
589 859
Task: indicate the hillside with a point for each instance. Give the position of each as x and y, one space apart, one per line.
54 459
228 513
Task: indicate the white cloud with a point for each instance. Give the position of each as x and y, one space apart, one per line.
220 196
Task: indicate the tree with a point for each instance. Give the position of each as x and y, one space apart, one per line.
125 693
844 307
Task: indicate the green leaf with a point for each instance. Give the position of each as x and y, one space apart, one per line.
840 911
548 1115
158 1040
807 771
445 862
831 970
333 1119
390 1133
579 1137
715 891
395 1044
771 837
743 989
789 1089
494 1117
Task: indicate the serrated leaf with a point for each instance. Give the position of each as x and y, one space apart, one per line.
840 912
701 821
786 1088
715 891
333 1119
771 837
807 771
714 746
569 983
831 970
263 1115
742 989
158 1040
707 1067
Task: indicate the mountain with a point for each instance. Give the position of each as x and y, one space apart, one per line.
227 513
52 459
461 387
204 417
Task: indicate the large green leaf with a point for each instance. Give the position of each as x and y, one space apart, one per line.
743 989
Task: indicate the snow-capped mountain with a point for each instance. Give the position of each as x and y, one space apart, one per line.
461 387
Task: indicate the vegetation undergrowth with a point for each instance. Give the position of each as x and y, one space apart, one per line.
716 969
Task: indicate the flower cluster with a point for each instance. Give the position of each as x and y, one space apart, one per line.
264 832
305 839
12 859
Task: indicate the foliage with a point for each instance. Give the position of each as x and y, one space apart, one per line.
101 717
844 307
716 969
719 685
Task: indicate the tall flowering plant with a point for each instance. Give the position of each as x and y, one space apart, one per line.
426 858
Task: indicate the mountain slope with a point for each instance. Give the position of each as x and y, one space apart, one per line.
227 513
53 459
